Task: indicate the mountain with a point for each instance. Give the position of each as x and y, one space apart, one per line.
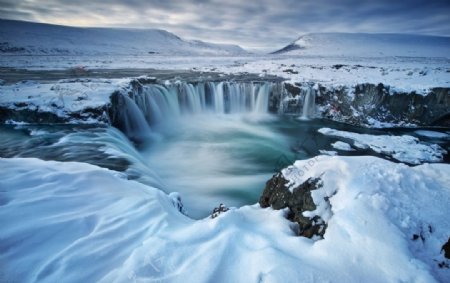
27 38
368 45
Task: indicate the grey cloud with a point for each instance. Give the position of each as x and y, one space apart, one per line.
266 23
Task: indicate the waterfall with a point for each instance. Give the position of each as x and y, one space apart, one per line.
262 100
154 104
309 102
219 103
129 118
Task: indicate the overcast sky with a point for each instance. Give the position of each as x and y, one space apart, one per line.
267 24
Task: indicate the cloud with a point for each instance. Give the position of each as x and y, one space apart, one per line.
265 24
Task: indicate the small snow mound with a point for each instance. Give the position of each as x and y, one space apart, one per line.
339 145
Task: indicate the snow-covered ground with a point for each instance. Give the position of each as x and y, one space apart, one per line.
402 74
62 97
402 148
404 62
81 223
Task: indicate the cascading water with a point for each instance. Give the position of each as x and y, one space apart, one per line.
205 142
309 102
128 117
262 100
159 103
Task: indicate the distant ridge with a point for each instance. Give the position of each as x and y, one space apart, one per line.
28 38
368 45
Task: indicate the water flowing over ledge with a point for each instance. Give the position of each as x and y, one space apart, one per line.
149 105
169 95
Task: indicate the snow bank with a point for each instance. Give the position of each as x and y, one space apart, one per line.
63 98
75 222
432 134
404 148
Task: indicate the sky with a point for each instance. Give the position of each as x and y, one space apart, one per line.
252 24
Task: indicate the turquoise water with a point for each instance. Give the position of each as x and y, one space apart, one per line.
209 159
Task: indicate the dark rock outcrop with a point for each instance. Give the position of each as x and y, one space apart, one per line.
278 196
360 104
219 210
446 249
32 114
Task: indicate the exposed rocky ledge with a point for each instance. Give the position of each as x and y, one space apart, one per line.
32 114
298 200
367 104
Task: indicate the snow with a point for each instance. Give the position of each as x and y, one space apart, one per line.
403 148
61 97
369 45
406 63
342 146
132 232
328 152
26 38
403 74
432 134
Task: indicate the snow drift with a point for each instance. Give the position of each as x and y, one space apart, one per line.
79 223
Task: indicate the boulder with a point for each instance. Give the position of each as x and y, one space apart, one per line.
298 200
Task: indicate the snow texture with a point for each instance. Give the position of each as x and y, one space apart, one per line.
62 97
79 223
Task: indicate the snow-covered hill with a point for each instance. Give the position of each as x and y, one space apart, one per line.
368 45
26 38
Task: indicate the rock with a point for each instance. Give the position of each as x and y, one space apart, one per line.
290 71
363 103
292 89
177 202
219 210
29 114
446 249
278 196
146 80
